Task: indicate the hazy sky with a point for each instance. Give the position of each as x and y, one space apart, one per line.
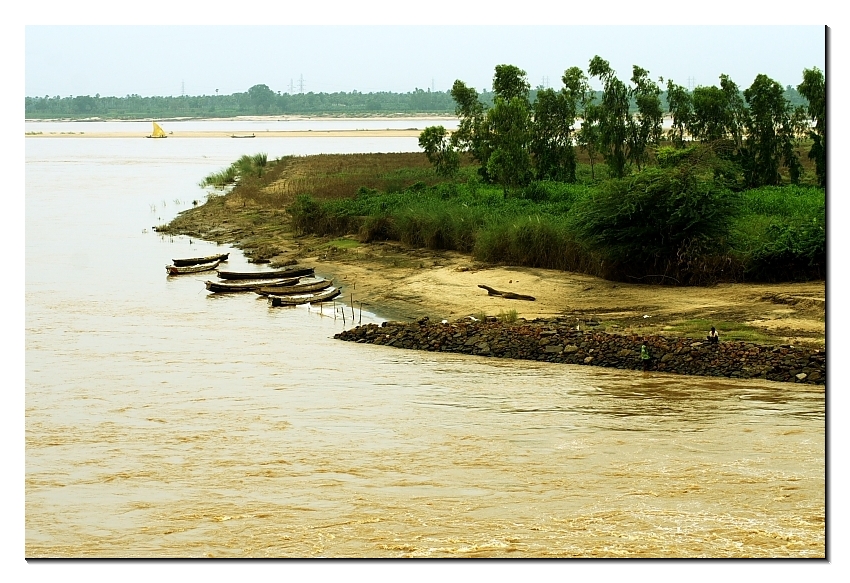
162 60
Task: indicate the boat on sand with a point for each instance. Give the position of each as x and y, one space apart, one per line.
247 285
175 270
303 285
198 260
276 274
308 298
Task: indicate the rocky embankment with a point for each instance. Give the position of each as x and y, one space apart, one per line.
557 340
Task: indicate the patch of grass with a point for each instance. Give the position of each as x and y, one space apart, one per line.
343 243
508 317
698 328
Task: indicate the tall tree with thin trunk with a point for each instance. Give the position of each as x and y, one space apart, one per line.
770 134
813 88
612 115
553 139
680 106
509 125
644 129
472 132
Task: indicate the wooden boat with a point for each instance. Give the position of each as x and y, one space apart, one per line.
235 136
305 285
158 132
308 298
174 270
277 274
246 285
198 260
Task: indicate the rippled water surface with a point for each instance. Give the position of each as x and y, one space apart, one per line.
164 421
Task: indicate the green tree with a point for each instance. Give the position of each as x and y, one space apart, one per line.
680 105
813 88
434 140
612 116
509 82
551 141
770 134
261 98
718 113
644 128
736 115
588 136
509 129
553 136
84 104
711 117
472 133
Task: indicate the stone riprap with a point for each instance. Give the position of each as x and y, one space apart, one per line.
556 340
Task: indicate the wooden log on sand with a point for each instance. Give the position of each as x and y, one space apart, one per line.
505 294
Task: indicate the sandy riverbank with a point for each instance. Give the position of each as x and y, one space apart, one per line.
411 283
403 283
385 133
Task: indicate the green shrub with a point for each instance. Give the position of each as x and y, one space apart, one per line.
655 222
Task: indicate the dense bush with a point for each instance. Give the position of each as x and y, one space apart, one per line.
656 222
780 233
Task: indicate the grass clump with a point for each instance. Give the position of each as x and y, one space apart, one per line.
508 317
246 166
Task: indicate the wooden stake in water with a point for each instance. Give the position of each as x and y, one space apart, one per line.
361 313
352 308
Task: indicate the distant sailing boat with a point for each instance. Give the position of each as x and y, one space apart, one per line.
157 132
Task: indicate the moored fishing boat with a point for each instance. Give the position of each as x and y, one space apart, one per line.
308 298
198 260
175 270
247 285
277 274
304 285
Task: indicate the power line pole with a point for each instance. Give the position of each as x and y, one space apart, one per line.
301 83
182 89
291 87
691 82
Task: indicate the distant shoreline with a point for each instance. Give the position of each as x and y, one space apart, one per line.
376 133
392 116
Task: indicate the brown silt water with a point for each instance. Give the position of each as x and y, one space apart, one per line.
164 421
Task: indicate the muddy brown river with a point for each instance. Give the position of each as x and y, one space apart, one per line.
162 421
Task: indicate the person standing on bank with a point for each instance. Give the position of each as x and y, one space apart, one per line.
713 336
644 356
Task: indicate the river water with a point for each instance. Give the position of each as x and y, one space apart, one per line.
162 421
